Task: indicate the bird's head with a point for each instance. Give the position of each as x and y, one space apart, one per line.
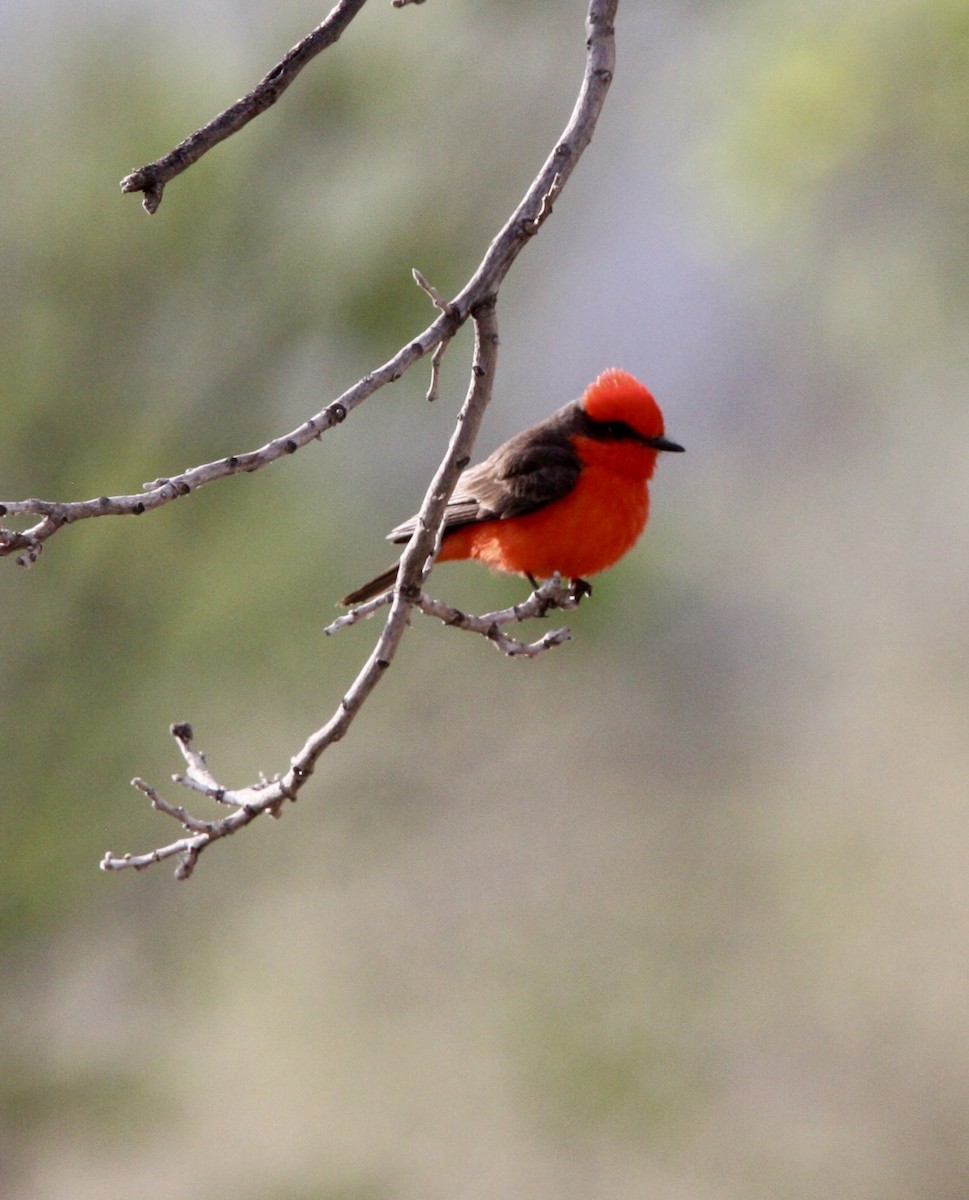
617 399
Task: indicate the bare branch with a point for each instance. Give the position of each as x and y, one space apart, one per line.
152 178
57 514
551 595
251 802
484 283
433 388
476 301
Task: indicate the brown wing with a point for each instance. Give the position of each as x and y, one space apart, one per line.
530 470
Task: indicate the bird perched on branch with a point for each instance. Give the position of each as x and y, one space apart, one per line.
569 494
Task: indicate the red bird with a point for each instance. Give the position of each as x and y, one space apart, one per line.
569 494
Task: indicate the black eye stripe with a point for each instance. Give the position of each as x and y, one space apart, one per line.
614 431
573 419
620 430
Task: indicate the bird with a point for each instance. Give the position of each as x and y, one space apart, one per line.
569 495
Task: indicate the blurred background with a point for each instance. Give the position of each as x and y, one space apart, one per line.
679 910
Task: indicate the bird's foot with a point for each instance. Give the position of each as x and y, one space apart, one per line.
577 591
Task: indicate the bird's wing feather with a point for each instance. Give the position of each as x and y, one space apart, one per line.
532 469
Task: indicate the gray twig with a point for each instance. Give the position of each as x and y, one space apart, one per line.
433 388
152 178
551 595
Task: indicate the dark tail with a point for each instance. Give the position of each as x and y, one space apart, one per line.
383 581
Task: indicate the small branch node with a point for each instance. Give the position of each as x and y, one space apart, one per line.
185 868
433 390
30 555
435 296
286 791
545 208
160 804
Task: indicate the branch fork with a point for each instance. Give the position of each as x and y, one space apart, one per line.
552 594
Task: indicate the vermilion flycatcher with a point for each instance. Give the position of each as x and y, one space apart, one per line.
569 494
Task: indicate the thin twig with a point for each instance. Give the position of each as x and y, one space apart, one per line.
433 388
171 810
198 777
436 298
362 612
552 594
151 179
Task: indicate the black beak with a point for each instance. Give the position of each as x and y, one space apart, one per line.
664 443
